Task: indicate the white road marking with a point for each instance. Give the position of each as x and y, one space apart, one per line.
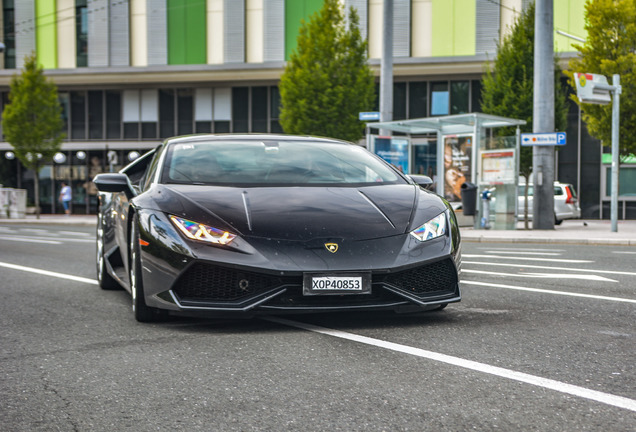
523 253
76 233
544 291
46 239
545 275
29 240
525 249
624 252
612 272
527 259
48 273
605 398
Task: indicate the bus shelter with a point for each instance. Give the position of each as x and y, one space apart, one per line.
466 153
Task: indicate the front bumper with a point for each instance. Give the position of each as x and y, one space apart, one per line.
267 276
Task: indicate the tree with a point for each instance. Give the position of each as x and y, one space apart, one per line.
508 89
32 121
327 80
608 50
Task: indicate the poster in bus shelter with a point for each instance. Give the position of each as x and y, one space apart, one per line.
394 150
498 166
457 164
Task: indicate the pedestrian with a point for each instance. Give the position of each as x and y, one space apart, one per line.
65 198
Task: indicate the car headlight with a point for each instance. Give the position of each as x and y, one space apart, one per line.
434 228
201 232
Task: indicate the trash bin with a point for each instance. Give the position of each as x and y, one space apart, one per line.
469 198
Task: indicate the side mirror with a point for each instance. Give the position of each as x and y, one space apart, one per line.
114 183
425 181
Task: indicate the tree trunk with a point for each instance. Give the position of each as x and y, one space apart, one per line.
36 189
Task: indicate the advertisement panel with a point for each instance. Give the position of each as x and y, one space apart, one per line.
457 164
394 150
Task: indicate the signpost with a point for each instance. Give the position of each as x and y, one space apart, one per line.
369 116
594 89
547 139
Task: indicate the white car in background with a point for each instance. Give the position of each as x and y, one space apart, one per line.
566 203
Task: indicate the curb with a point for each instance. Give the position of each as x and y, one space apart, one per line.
584 242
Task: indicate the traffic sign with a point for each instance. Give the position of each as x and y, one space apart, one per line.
543 139
369 116
592 88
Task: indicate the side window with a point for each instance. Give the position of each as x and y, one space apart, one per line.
137 169
152 169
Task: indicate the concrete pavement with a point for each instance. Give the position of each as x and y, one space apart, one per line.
596 232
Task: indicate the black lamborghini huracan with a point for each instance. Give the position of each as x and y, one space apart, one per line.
252 224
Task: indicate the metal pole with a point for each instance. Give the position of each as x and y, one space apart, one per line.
386 67
543 116
616 82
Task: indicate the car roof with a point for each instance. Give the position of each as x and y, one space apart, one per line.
251 137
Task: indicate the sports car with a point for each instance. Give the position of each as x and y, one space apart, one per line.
209 225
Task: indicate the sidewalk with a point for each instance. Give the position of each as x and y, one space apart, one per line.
579 231
49 219
591 232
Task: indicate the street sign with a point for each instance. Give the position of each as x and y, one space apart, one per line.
369 116
592 88
543 139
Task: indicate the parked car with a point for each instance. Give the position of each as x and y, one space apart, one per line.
566 203
255 224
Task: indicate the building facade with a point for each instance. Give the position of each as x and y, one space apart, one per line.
131 73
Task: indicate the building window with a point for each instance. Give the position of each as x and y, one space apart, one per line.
459 97
81 32
475 96
259 109
78 115
95 115
113 114
439 98
274 99
418 96
240 109
399 101
8 19
149 113
185 111
166 113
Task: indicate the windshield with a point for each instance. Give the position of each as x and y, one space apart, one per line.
287 163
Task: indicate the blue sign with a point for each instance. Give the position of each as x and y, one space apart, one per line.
369 116
543 139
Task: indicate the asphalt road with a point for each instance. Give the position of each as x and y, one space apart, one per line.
544 339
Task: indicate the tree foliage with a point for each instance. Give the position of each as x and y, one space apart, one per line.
609 50
508 88
327 80
32 121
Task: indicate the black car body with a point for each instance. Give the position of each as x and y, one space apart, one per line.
250 224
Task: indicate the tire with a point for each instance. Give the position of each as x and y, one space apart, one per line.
104 279
143 313
558 221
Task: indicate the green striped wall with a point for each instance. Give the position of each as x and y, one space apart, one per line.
186 31
295 11
453 28
46 33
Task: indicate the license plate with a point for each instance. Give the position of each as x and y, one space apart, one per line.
348 283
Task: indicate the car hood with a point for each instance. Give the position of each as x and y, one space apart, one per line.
304 213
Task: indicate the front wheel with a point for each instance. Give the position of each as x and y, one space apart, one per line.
142 312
